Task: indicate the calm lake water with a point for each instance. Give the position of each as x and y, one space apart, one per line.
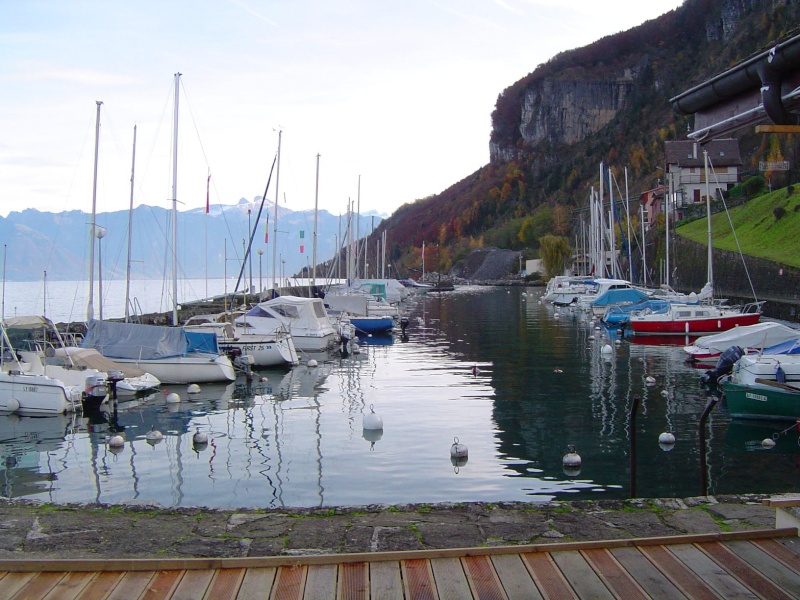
295 437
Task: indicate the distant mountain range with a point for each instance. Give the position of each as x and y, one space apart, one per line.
209 245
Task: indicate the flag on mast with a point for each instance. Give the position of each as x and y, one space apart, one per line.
266 230
302 235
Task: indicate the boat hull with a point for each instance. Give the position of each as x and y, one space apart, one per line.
36 395
265 353
761 401
691 326
186 369
372 324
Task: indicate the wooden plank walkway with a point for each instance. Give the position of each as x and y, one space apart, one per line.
748 564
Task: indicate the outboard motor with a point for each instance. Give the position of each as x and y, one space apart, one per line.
95 391
724 365
403 324
113 378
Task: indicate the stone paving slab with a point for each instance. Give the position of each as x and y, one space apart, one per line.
34 530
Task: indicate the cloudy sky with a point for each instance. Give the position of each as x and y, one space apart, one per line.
396 95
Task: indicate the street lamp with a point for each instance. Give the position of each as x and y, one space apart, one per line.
260 285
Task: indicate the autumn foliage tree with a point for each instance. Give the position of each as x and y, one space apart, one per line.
555 251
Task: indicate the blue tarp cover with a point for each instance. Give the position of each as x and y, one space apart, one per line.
145 342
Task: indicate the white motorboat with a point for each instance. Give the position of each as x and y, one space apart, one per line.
43 350
305 318
37 394
268 349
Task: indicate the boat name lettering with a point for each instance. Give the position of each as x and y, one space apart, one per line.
30 388
759 397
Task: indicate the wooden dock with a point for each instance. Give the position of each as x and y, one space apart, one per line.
747 564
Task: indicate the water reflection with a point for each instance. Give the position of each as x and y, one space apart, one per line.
514 380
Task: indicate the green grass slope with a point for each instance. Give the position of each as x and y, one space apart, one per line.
767 227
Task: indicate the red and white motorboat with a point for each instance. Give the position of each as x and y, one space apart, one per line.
694 319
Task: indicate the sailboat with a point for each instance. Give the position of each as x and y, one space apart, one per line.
696 319
169 353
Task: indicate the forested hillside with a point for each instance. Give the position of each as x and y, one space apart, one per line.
607 102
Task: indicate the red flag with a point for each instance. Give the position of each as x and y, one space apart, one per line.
208 186
301 249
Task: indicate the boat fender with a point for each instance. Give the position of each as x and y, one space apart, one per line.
780 374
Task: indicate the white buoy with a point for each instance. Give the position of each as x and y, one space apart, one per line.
312 363
607 349
556 370
617 342
591 323
667 438
767 443
597 327
571 458
571 462
116 441
556 315
264 380
200 437
192 388
650 380
458 450
154 435
591 337
372 420
173 398
664 393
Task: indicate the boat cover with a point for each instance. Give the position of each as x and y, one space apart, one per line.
619 297
788 347
760 335
145 342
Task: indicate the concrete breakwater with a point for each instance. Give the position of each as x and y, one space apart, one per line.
778 284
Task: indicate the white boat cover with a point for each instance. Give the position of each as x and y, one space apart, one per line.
760 335
353 304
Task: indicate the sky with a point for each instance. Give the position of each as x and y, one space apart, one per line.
395 97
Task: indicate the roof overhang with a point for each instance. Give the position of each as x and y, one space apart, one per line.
762 89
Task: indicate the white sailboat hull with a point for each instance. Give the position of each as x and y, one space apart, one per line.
200 368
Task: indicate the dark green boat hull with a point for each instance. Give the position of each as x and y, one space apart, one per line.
761 402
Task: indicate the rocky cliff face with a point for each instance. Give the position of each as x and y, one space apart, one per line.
566 106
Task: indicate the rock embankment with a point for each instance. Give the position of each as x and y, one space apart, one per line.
484 264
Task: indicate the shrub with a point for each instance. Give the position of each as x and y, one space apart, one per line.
779 212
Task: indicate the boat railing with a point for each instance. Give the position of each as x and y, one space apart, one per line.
752 307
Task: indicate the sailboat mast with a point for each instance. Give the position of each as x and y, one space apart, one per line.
90 305
130 236
175 205
708 217
314 246
666 222
275 220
